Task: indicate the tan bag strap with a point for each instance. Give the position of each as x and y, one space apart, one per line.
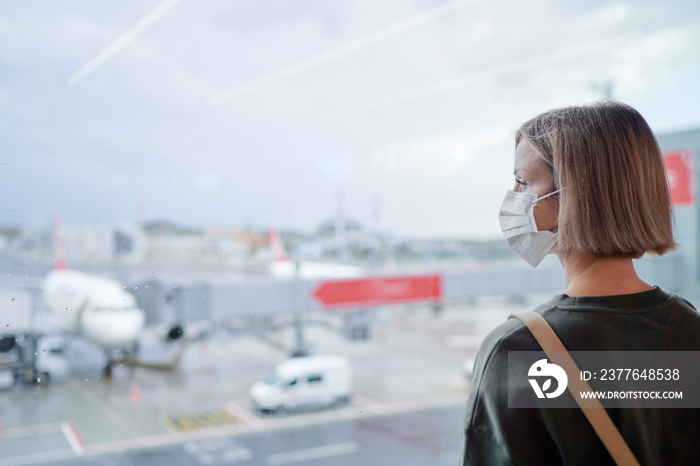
596 414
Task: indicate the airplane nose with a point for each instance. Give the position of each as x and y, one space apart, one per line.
115 330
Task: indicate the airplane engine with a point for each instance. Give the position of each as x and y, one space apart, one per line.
175 333
7 344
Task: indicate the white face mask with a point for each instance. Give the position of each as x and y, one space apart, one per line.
518 225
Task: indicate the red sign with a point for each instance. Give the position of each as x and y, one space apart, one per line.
680 178
379 290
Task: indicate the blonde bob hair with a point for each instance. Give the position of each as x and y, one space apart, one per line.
616 200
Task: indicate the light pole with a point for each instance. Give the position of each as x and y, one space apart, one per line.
301 349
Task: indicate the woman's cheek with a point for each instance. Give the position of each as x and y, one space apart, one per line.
545 216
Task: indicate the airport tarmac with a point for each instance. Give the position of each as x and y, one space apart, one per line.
411 365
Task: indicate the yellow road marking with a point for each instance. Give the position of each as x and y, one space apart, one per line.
198 421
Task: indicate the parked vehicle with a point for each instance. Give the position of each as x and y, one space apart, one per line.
7 378
308 381
50 364
47 365
9 358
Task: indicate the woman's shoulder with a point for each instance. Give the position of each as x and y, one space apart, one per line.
489 387
511 335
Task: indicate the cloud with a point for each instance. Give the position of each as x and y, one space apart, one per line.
637 63
356 98
438 156
308 64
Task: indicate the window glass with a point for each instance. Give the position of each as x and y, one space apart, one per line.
234 187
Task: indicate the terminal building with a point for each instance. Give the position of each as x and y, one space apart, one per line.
680 152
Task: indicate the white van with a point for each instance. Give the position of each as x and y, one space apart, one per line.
308 381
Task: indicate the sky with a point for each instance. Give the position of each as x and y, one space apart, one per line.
275 113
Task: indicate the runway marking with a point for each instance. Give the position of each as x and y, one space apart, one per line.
66 428
171 437
423 403
367 403
205 420
218 451
25 431
74 440
36 458
243 414
313 453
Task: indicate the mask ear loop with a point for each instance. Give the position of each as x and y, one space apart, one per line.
545 197
550 194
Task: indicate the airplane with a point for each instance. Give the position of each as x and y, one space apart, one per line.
101 310
96 307
284 267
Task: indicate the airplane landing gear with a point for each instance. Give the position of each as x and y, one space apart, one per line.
107 371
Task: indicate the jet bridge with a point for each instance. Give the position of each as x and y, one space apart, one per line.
218 300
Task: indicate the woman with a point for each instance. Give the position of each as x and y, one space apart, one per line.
590 187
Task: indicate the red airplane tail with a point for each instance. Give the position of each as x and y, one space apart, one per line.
277 247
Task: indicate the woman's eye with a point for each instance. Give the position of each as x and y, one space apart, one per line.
521 185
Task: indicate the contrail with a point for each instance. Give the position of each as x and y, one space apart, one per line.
359 44
526 64
124 40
